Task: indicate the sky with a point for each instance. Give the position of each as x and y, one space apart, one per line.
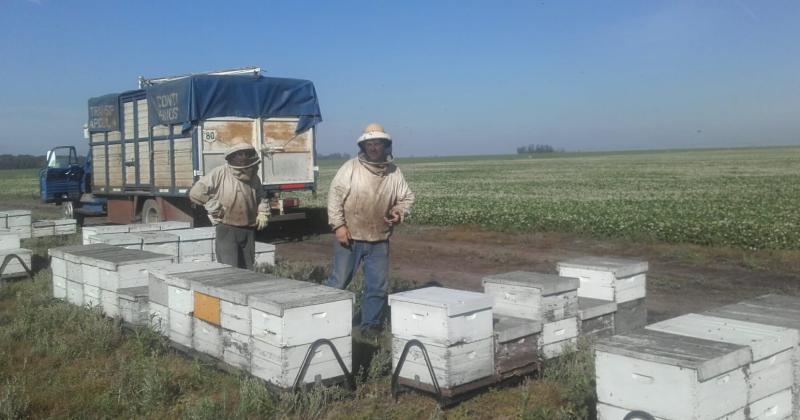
443 77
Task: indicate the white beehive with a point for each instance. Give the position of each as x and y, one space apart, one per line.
771 348
537 296
65 226
65 266
558 337
630 315
15 267
617 279
207 338
265 254
159 242
775 310
8 239
17 221
133 305
441 316
174 225
286 322
144 227
452 365
89 231
671 376
516 344
195 244
124 240
41 228
596 317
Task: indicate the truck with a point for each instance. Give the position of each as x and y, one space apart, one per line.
148 146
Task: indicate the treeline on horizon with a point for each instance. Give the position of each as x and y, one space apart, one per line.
21 161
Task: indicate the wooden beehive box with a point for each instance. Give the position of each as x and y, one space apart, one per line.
453 365
537 296
14 267
41 228
144 227
124 240
88 231
195 244
281 365
441 316
207 337
771 348
174 225
671 376
158 289
265 254
8 239
159 242
65 226
516 344
65 264
617 279
558 337
596 317
17 221
286 321
630 315
775 310
133 305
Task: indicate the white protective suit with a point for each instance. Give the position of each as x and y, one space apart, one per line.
363 193
238 191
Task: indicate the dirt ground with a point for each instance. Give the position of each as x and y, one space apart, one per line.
681 279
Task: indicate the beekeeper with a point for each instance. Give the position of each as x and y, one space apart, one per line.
235 202
367 198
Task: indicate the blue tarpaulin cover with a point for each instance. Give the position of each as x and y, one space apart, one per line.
194 98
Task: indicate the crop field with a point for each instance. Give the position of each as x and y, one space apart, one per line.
748 198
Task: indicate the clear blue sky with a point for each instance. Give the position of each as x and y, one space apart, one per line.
444 77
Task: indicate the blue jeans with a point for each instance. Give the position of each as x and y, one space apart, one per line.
375 257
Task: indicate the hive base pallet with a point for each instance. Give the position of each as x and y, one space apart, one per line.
447 397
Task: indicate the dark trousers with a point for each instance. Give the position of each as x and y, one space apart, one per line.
236 246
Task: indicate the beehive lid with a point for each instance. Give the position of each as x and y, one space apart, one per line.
276 303
163 273
122 238
62 251
113 259
592 308
708 358
620 267
43 224
134 292
507 328
15 213
547 284
454 302
156 237
763 340
106 229
237 290
225 275
173 225
779 310
144 227
194 234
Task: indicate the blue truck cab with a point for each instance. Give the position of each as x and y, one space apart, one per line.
65 181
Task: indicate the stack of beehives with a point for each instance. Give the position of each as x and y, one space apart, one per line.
547 304
173 238
9 245
611 295
455 328
108 276
254 321
41 228
738 361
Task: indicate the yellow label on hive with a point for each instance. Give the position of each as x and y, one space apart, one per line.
206 308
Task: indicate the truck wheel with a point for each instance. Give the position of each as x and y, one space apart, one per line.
68 210
151 212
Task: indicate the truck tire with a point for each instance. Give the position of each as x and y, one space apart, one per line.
151 212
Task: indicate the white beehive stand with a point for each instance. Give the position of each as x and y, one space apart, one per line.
671 376
536 296
441 316
617 279
771 348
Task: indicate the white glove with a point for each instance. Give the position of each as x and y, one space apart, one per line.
262 220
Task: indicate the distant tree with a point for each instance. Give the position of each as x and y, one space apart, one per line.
333 156
535 148
21 161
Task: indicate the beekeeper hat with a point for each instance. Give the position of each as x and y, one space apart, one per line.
242 147
374 131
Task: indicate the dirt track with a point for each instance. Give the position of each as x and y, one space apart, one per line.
681 279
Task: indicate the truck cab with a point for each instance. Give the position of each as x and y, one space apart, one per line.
65 181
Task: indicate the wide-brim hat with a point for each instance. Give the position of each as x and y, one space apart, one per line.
375 131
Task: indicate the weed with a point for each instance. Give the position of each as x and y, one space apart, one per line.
14 403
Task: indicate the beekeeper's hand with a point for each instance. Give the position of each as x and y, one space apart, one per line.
343 236
262 220
215 211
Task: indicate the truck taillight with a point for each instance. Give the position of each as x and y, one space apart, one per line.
291 202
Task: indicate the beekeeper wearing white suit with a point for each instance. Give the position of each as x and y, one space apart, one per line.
234 199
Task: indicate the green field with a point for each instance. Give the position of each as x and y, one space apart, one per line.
731 197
